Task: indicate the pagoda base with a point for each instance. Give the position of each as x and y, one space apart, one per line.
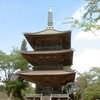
50 97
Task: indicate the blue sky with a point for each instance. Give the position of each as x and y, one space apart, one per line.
19 16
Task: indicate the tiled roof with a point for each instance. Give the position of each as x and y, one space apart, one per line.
47 32
52 77
48 52
47 72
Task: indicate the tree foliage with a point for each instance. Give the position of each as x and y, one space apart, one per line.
14 88
8 64
24 45
9 67
87 84
90 18
92 92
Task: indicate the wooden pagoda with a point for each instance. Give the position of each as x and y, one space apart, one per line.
51 59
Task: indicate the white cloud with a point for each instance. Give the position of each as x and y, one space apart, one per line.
79 13
95 34
98 23
88 35
89 58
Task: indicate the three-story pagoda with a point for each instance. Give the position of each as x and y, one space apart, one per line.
51 59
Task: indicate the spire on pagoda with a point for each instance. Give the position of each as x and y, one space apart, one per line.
50 20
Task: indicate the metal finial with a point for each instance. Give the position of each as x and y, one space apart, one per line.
50 21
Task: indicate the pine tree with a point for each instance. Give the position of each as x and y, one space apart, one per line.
24 45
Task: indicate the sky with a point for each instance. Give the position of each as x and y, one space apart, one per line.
19 16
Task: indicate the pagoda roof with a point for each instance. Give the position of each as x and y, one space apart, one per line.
48 36
47 72
55 76
47 31
64 56
48 52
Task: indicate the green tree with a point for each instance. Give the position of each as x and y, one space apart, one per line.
24 45
14 88
3 63
95 72
9 66
90 18
81 83
87 84
92 92
22 62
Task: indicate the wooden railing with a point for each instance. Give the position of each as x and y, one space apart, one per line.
33 95
50 97
59 95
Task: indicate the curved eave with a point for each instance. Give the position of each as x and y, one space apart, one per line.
47 32
65 56
48 52
33 38
57 77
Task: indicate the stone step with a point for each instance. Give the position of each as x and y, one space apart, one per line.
45 97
